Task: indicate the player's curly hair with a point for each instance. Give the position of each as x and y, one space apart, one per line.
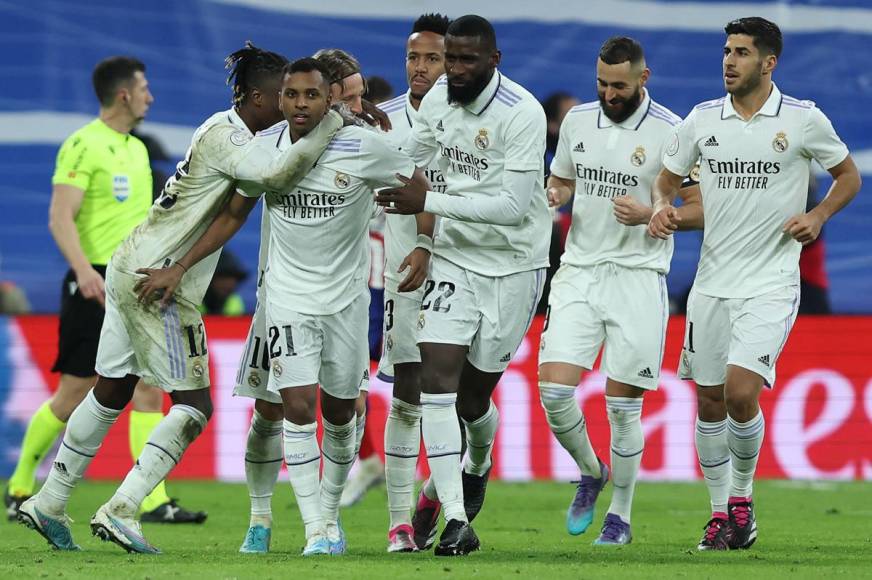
249 67
435 23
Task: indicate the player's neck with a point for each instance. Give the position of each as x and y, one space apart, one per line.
117 120
414 101
249 118
748 105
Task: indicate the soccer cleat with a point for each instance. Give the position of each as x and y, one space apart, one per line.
458 539
615 532
580 513
55 530
172 513
714 534
13 503
400 539
742 527
317 545
336 538
257 540
124 531
370 473
474 487
425 521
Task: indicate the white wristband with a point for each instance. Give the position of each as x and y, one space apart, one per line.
424 242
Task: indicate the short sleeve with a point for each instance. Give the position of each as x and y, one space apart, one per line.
380 160
561 165
73 165
525 138
821 142
681 153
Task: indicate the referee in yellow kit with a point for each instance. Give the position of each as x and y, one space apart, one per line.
101 190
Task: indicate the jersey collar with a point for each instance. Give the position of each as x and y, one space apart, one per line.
770 108
486 96
235 119
631 123
410 110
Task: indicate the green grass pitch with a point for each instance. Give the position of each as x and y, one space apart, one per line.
806 531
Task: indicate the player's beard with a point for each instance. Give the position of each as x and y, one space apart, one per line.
467 93
747 87
631 103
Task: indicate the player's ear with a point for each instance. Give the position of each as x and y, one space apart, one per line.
495 58
643 78
769 63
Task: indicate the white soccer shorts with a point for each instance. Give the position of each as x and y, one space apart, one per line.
489 314
400 328
625 309
331 350
252 377
745 332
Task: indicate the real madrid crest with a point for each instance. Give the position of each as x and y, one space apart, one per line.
341 180
253 380
197 370
421 321
694 173
276 369
638 157
780 143
389 342
481 140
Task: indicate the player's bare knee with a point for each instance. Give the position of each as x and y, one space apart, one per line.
199 399
472 405
407 386
147 398
560 373
710 404
115 393
269 411
337 411
360 404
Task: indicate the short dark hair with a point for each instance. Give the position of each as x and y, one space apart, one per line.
767 36
378 90
435 23
551 104
473 25
618 49
249 67
308 64
112 72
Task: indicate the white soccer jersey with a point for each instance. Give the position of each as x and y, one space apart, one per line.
501 131
753 177
319 249
607 160
401 231
221 152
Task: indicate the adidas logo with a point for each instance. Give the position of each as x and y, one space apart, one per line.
711 142
61 467
764 359
506 357
646 373
580 147
439 126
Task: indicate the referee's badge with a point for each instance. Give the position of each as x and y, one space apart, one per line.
253 380
276 369
638 157
780 143
120 187
481 140
341 180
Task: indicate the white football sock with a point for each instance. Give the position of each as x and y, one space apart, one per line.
714 460
263 461
480 435
302 457
568 425
441 433
429 488
85 432
625 420
337 451
163 451
745 441
360 427
402 445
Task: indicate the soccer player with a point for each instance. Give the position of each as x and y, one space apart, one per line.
754 148
316 301
611 285
101 190
401 358
489 259
167 346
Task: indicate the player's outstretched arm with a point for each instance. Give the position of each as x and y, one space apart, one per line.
164 281
665 219
805 228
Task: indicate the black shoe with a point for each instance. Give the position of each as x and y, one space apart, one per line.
714 536
742 532
458 539
13 502
474 487
172 513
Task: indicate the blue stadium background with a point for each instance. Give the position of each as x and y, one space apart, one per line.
49 49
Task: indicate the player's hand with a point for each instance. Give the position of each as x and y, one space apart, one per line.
374 116
158 283
418 263
804 228
408 199
630 212
558 196
91 285
664 222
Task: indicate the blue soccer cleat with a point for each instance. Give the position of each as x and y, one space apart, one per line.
580 513
256 540
336 538
54 529
615 532
317 545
